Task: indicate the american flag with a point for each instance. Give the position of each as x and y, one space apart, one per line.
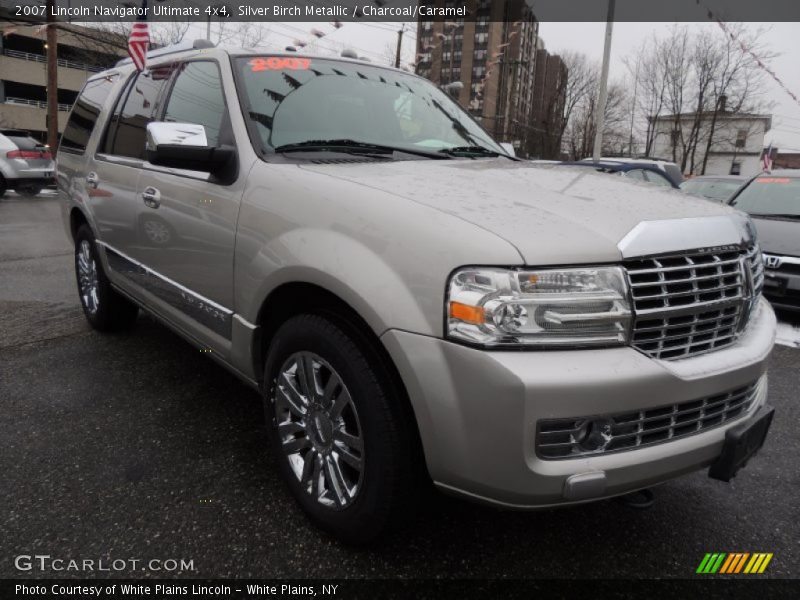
767 160
139 39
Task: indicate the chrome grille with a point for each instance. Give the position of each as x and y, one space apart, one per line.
690 303
581 436
755 261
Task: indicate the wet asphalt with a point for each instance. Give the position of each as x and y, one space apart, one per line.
136 446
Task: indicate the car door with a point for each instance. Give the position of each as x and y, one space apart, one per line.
186 220
112 173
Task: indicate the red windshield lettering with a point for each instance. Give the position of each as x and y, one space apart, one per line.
277 63
773 180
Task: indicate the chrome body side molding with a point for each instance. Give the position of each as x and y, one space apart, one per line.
208 313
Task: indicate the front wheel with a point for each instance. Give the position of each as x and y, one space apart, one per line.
342 439
104 307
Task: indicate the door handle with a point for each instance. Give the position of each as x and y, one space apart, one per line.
151 197
92 179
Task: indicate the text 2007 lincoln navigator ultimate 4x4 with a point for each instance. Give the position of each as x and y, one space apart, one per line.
412 302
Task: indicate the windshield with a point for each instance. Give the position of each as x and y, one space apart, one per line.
299 100
769 195
716 189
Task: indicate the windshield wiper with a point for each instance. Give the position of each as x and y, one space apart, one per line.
481 150
353 147
775 215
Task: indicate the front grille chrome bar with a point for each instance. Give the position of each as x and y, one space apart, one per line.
604 434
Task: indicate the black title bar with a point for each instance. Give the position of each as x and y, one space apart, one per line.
399 10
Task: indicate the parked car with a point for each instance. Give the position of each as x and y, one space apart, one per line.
773 202
636 171
412 303
714 187
26 164
669 169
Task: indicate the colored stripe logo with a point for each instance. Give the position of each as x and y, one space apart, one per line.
732 563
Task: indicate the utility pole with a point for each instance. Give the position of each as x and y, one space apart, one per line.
602 92
399 46
52 78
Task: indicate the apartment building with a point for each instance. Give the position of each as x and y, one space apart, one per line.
82 51
549 90
494 56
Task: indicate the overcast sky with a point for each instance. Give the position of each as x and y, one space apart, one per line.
371 40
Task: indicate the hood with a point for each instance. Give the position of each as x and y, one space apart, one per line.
778 236
551 214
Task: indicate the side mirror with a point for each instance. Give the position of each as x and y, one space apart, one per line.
509 148
185 146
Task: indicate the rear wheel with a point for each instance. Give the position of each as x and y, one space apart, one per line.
3 186
343 442
105 308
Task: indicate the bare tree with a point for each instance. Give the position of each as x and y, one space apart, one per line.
576 89
245 34
582 124
690 79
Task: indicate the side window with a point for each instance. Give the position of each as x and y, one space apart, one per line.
107 142
197 98
85 113
637 174
127 132
657 179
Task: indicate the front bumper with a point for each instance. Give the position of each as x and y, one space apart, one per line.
477 412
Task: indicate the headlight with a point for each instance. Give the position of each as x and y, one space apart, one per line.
543 307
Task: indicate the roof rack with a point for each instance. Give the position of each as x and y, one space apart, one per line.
173 49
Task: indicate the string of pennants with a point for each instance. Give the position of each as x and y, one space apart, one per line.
747 50
496 56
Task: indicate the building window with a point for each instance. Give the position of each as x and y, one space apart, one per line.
741 138
736 168
675 137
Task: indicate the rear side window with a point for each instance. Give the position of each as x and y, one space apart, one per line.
197 98
85 113
127 130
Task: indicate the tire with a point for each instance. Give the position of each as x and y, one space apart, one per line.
362 405
105 308
3 186
30 192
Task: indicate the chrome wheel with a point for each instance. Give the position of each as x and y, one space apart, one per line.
87 277
319 430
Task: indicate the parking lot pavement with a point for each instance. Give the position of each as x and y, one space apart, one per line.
136 446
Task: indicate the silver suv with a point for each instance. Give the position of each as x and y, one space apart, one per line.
26 165
412 303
